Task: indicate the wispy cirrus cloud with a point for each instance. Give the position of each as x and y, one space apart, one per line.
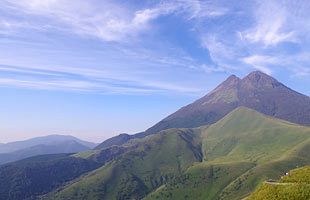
302 71
223 52
297 64
271 25
87 80
261 62
266 35
140 70
151 45
107 20
104 20
120 54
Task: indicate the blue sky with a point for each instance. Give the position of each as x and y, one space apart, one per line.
97 68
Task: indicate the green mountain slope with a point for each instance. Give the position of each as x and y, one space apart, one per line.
201 181
274 169
226 160
264 148
294 186
246 135
154 161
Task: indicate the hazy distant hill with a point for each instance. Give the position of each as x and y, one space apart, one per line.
257 91
69 146
45 140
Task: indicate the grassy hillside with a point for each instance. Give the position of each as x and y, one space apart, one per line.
155 160
274 169
226 160
246 135
295 186
201 181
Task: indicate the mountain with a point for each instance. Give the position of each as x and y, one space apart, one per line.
225 155
226 160
45 140
257 91
295 185
69 146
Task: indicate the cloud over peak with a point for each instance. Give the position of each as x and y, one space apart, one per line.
271 26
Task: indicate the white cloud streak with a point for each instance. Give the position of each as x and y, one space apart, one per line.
261 62
275 38
109 21
231 48
277 22
222 53
92 81
102 19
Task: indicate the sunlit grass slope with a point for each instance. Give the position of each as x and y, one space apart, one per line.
295 186
250 147
247 182
155 160
246 135
202 181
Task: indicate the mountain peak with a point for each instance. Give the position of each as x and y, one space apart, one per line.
258 79
226 91
229 82
258 75
257 72
232 78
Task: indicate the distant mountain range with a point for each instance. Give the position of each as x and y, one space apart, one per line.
50 144
45 140
222 146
